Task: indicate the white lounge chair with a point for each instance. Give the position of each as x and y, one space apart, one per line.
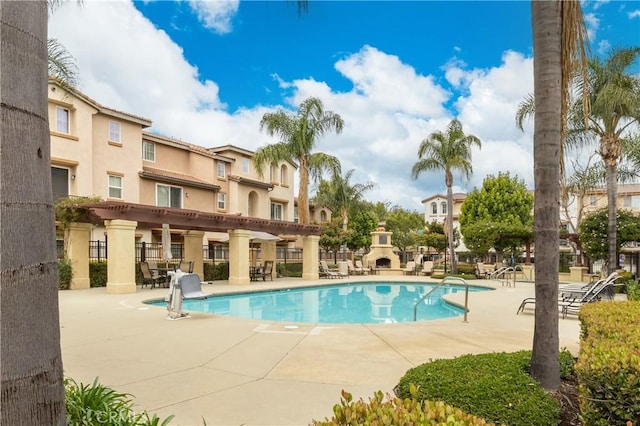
410 269
329 273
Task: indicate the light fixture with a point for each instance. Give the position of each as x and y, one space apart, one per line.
73 177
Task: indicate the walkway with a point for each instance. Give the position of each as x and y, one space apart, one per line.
233 371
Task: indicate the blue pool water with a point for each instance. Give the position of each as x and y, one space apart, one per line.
362 303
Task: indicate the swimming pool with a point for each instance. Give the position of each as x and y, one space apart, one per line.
361 303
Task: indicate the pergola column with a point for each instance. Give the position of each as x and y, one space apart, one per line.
268 250
121 256
310 257
77 243
193 251
239 257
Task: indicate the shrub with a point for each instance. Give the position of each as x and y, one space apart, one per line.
98 274
495 386
97 404
397 412
220 271
289 269
608 368
633 290
65 274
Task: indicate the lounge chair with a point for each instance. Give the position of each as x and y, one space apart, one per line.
572 297
427 267
329 273
481 270
361 267
410 269
355 270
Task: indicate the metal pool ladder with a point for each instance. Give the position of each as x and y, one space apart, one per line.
446 280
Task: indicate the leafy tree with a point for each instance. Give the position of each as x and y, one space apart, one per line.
558 40
498 215
449 151
298 135
594 237
405 225
362 224
332 236
32 377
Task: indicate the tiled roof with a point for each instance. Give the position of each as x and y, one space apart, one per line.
178 178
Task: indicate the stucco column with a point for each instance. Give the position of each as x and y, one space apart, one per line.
268 249
193 251
121 256
78 253
576 273
239 257
310 257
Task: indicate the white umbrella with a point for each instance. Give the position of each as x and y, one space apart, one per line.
166 243
255 236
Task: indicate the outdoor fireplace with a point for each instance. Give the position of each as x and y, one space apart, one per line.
381 254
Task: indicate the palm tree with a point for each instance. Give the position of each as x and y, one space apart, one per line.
341 196
448 151
32 377
298 135
614 100
558 35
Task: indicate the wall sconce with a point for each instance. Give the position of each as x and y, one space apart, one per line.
73 177
186 194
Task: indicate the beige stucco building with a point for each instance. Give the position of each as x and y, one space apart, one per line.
100 152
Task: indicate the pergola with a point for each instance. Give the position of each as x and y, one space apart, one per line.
121 220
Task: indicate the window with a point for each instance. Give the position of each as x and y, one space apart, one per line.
148 151
245 165
592 200
222 201
283 175
631 201
276 211
323 216
115 186
272 173
60 182
114 131
443 207
169 196
62 120
296 217
221 169
434 208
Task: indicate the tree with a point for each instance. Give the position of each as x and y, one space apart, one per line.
341 196
498 215
362 223
32 375
594 228
332 237
614 102
405 226
448 151
558 35
298 136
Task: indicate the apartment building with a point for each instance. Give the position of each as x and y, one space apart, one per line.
435 210
97 151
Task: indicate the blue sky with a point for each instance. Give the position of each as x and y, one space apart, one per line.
206 72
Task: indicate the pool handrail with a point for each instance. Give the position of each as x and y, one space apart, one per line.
445 280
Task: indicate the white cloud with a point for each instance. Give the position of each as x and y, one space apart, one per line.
215 14
128 64
634 14
592 23
603 47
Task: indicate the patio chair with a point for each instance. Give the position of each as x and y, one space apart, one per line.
354 270
410 269
186 266
481 270
149 277
329 273
267 270
427 267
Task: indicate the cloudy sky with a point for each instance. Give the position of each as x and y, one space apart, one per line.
206 72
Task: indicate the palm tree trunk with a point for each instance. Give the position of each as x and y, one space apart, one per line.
32 379
303 193
612 208
547 47
454 263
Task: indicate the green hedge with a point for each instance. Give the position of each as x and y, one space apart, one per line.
495 386
65 274
98 274
219 271
289 269
397 412
608 367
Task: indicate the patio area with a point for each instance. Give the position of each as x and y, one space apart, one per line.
233 371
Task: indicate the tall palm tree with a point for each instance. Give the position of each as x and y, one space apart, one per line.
449 151
341 196
32 378
558 35
298 136
614 101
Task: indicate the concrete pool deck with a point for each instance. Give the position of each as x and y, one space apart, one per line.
234 371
